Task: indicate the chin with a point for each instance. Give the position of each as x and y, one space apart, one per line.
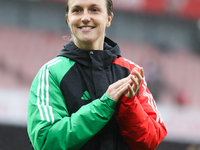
87 40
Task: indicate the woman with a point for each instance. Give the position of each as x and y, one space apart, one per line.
89 97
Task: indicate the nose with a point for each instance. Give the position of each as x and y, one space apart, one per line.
86 17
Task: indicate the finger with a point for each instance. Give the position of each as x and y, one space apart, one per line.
130 93
120 82
142 72
136 84
122 90
129 81
138 76
134 69
118 88
136 73
125 84
122 87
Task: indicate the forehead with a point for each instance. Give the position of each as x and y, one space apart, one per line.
85 3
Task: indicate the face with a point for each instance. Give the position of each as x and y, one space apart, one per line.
87 20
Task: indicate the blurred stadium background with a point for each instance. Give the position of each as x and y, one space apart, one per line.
163 36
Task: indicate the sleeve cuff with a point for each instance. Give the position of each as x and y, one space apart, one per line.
106 99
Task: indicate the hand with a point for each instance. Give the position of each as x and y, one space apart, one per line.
136 78
117 89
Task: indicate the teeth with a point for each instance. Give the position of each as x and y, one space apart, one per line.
86 28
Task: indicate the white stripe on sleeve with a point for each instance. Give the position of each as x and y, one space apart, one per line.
42 88
38 98
47 90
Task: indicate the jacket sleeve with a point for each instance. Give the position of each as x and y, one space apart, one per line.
140 122
49 125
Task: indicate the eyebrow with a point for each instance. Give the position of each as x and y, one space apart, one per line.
95 5
92 5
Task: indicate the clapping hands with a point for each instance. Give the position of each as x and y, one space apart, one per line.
127 86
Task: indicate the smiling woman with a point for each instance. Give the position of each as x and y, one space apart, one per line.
89 97
87 21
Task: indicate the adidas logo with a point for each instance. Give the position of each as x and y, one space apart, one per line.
86 96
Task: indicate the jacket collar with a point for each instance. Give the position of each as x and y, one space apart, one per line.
88 57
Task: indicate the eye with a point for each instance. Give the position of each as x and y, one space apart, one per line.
76 11
95 9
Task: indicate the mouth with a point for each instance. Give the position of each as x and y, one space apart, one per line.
86 28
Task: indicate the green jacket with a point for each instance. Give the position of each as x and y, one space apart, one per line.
54 125
68 108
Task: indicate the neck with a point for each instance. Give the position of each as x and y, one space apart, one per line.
89 45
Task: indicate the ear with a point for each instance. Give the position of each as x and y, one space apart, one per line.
110 17
67 19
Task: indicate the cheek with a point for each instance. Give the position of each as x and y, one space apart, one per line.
71 24
105 21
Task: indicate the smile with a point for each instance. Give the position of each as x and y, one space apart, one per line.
86 28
